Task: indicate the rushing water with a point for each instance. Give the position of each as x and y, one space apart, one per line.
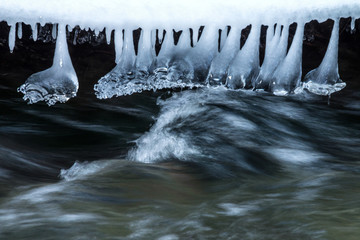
196 164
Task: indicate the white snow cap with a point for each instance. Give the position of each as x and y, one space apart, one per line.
176 14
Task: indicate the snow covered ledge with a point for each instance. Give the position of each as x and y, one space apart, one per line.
196 51
175 14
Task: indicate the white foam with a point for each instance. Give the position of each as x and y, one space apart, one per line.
83 170
231 209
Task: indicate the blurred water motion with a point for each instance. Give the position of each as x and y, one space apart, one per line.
213 164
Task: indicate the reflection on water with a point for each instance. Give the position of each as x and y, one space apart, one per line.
199 164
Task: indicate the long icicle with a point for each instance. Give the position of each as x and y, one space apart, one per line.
288 75
145 53
180 69
204 52
219 65
267 68
12 37
127 58
245 68
118 41
19 30
59 83
35 31
54 31
325 79
108 35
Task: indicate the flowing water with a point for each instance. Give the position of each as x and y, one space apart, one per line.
197 164
206 163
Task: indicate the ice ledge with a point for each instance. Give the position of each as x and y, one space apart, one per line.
176 14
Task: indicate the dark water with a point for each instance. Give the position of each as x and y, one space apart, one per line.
194 164
212 164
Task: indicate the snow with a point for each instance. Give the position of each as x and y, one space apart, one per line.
176 14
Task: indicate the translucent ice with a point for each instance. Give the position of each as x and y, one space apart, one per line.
325 79
108 35
180 70
19 30
218 69
118 41
288 75
54 31
116 82
244 69
271 59
12 37
203 53
195 35
56 84
34 28
277 53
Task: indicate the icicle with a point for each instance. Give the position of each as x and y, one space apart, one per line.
288 75
54 31
125 79
352 25
12 36
166 51
274 54
325 79
153 41
127 58
184 41
145 53
69 28
108 35
245 68
195 37
96 32
118 41
59 83
160 35
76 33
269 35
35 31
217 72
19 30
223 36
204 52
180 70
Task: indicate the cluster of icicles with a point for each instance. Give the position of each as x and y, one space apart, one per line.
195 61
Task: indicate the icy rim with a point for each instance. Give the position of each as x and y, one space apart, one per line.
207 52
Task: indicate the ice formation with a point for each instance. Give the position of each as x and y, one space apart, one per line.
59 83
198 44
244 68
325 79
287 76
